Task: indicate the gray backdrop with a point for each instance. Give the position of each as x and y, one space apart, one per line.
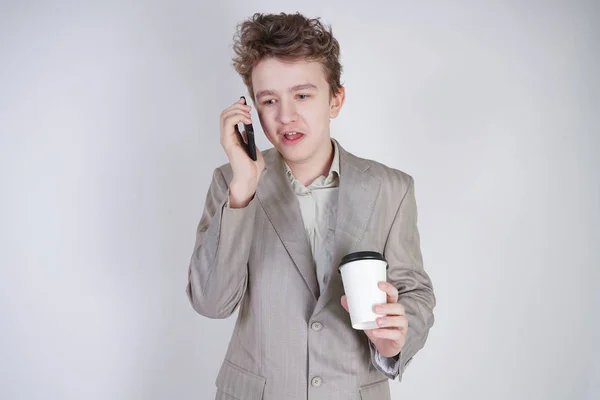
109 133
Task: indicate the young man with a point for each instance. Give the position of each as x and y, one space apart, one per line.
274 230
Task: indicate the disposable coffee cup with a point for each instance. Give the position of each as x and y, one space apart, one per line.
361 273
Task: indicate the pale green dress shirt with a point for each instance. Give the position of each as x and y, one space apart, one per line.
318 204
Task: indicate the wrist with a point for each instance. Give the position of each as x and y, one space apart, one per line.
240 195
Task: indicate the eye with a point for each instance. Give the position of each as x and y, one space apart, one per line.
269 102
303 96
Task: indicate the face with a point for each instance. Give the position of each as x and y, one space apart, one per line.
295 97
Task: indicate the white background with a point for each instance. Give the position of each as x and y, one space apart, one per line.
109 134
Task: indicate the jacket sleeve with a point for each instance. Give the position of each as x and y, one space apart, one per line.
218 268
389 366
415 290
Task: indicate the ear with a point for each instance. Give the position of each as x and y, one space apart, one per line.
336 102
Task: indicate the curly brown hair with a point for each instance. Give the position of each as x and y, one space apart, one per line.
289 37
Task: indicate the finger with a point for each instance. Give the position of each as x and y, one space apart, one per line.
390 334
244 136
399 322
235 109
244 104
390 291
369 333
235 114
344 302
233 127
259 156
241 134
389 309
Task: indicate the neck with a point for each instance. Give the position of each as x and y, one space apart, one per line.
309 170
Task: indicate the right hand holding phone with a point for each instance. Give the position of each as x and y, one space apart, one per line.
246 172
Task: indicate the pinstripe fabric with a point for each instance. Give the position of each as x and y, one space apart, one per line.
259 258
318 206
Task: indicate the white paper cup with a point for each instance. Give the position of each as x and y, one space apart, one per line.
361 272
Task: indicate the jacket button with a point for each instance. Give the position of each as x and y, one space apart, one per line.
316 326
316 381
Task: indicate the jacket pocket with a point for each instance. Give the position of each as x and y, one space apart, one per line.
379 390
239 383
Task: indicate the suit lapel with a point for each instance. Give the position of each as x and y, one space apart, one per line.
279 201
357 194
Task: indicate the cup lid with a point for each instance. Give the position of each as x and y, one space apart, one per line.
362 255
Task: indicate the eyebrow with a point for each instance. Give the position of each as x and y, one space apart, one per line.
292 89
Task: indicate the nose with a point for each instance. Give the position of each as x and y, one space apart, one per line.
287 112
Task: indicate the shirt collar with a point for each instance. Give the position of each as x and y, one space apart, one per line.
321 181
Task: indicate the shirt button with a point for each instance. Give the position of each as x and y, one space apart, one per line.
316 326
316 381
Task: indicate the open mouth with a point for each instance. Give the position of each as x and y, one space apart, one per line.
292 137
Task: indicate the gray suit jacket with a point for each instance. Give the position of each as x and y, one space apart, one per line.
289 342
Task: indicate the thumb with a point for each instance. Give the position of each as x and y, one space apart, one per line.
244 136
344 302
369 333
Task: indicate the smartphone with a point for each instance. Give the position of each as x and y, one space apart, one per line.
250 147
